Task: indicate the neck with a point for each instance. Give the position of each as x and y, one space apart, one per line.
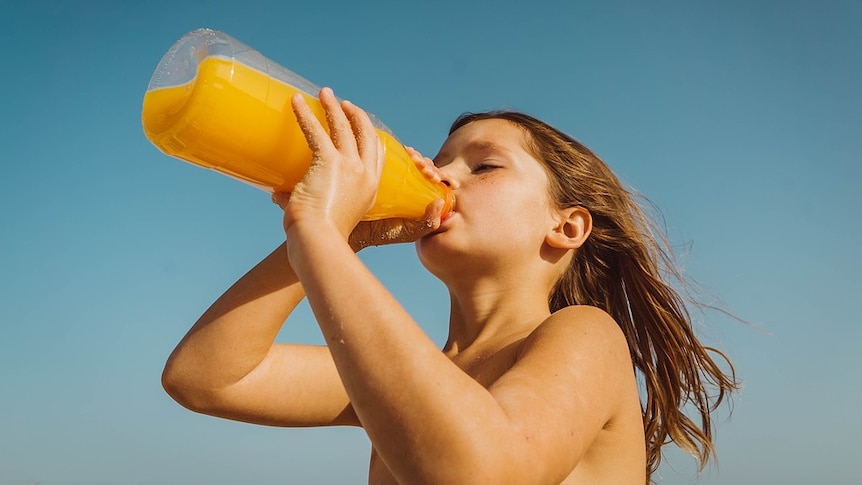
494 313
495 301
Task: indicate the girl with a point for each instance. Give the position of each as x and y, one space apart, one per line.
558 307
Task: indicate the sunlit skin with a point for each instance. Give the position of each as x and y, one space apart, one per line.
518 395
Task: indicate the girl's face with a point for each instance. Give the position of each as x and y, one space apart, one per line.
502 211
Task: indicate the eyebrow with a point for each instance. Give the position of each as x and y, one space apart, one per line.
484 146
476 146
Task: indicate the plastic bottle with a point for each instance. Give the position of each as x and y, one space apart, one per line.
219 104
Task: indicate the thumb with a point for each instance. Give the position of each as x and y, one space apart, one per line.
430 221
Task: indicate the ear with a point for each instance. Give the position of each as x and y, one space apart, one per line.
572 230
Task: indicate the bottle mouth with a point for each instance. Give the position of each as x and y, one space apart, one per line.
449 202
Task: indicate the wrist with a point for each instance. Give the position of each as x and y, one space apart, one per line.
301 233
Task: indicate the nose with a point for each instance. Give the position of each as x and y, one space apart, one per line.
449 182
447 179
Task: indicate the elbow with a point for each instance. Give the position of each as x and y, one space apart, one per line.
505 459
184 388
479 473
173 383
176 385
478 462
502 471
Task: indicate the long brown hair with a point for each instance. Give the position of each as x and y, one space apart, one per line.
625 268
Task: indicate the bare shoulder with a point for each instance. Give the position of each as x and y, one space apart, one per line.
584 316
584 350
579 328
579 352
572 395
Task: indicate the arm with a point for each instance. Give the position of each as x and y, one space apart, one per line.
229 366
431 422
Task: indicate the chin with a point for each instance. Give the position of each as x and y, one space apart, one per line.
436 255
449 261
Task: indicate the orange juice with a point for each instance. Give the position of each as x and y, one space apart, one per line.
237 120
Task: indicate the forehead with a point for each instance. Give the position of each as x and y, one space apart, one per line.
484 135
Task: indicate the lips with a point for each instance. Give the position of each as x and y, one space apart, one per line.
446 216
440 227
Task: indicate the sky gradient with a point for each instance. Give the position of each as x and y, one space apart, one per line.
740 120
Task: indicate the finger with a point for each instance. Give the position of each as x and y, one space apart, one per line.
367 140
427 224
340 129
425 165
433 214
381 157
431 172
418 159
315 135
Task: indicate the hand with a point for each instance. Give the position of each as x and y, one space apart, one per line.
396 230
341 183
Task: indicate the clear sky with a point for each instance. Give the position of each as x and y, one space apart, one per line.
740 119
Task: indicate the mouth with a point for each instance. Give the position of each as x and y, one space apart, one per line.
441 226
446 216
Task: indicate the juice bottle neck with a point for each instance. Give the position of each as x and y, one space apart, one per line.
449 201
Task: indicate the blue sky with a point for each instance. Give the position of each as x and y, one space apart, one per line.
740 120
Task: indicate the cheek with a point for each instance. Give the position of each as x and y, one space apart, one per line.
523 202
516 215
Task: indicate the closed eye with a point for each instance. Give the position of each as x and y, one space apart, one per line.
483 167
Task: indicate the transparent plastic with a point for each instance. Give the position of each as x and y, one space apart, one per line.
219 104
